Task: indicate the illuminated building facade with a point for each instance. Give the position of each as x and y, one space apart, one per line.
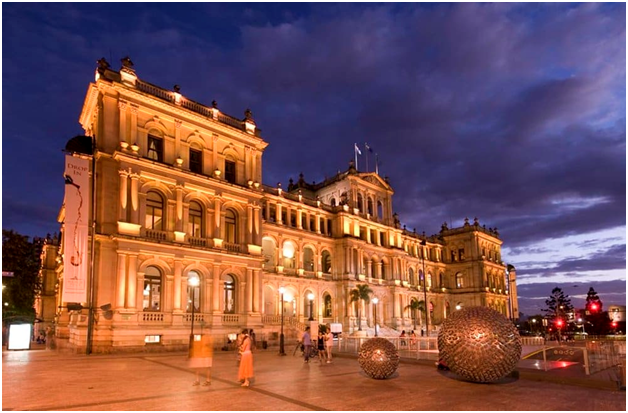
179 195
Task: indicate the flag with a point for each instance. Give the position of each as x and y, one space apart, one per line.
355 145
368 148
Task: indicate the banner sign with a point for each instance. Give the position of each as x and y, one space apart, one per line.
75 259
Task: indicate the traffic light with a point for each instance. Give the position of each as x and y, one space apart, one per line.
559 323
594 307
614 324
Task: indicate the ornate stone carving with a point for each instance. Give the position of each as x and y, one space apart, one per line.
378 358
479 344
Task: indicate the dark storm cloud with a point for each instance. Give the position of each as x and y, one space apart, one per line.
514 113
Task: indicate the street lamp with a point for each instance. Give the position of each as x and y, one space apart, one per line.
310 297
533 324
193 281
281 349
427 323
580 321
375 301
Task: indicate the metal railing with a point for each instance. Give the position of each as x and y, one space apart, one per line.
425 348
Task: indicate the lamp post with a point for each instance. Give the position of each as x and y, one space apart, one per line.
375 301
427 309
281 349
310 297
193 281
533 325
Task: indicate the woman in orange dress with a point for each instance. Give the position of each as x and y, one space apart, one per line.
245 371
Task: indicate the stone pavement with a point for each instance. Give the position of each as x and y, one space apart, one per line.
50 380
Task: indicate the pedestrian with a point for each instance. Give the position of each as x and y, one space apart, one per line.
238 344
329 343
307 344
412 338
402 337
320 345
201 357
253 341
245 372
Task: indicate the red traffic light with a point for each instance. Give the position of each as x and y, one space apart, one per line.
559 323
594 307
614 324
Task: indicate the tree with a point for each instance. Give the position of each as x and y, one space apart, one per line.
413 307
558 308
597 320
361 292
21 257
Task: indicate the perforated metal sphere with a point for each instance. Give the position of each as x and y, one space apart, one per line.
378 358
479 344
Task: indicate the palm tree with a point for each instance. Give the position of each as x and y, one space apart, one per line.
414 306
361 292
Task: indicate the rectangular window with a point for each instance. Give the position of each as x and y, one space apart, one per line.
196 161
152 339
155 148
381 239
230 171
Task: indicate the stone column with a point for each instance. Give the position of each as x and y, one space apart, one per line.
131 292
178 296
214 165
179 209
134 138
278 214
249 291
122 106
249 221
257 226
257 289
121 281
124 179
216 293
135 199
177 138
299 218
217 217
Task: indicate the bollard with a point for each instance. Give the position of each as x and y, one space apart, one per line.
544 359
587 369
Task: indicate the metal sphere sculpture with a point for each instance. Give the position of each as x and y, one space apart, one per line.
378 358
479 344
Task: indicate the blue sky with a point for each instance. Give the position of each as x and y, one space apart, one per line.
514 113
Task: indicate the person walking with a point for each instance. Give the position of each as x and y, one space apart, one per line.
329 343
403 338
200 357
245 372
320 346
307 344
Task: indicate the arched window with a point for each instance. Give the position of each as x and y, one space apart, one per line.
459 281
441 280
229 293
308 259
380 209
289 252
411 278
369 206
194 294
383 266
268 252
231 226
154 211
421 277
326 262
360 203
195 220
152 289
429 280
327 309
155 148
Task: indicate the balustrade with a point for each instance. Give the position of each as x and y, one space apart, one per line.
198 242
156 234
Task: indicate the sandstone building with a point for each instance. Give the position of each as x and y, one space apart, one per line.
179 196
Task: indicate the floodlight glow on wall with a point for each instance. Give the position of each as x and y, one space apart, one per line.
288 250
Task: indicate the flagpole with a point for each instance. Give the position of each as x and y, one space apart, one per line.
355 152
366 150
377 163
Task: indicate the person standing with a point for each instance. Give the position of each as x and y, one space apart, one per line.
307 344
201 357
329 343
245 372
253 341
320 346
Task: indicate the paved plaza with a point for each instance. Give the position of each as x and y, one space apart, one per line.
49 380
